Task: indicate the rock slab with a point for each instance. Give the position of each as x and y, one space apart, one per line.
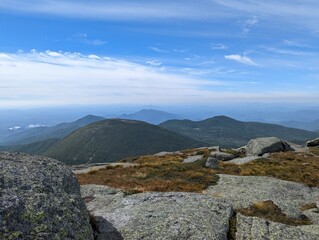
260 146
313 143
244 191
260 229
40 199
222 156
156 215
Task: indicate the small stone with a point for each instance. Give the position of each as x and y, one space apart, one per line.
212 163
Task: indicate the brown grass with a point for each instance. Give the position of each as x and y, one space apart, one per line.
308 206
290 166
161 174
168 173
314 150
268 210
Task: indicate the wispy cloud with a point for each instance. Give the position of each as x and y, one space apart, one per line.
35 78
219 46
293 43
249 23
180 50
241 59
285 51
300 12
157 49
154 63
84 38
117 9
61 78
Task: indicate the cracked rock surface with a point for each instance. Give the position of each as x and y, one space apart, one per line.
156 215
40 199
243 191
260 229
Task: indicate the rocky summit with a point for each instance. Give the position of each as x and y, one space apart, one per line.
40 199
202 193
156 215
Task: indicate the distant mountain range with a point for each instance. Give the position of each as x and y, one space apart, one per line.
94 139
44 133
115 139
228 132
150 116
310 126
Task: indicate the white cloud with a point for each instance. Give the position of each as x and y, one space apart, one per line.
252 21
241 59
14 128
39 79
35 125
219 46
83 38
53 54
154 63
42 78
93 56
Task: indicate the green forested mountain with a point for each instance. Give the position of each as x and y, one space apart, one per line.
115 139
44 133
32 148
228 132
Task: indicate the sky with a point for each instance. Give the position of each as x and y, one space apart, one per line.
73 52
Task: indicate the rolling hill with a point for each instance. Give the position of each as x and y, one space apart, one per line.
228 132
115 139
150 116
32 148
44 133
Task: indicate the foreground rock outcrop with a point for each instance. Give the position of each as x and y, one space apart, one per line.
156 215
243 191
40 199
260 146
260 229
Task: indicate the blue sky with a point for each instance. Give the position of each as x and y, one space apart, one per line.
158 52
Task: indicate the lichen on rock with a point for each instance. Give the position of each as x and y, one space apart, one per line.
40 199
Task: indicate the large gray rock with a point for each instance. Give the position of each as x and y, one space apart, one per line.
313 143
244 191
222 156
40 199
260 229
260 146
156 215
